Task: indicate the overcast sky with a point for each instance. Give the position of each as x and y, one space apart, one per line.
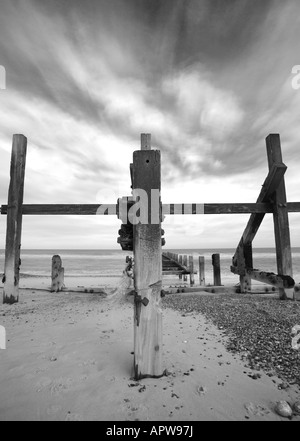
209 79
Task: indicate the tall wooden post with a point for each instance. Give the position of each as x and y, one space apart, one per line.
191 268
147 268
245 260
280 215
184 259
14 220
216 269
201 270
180 262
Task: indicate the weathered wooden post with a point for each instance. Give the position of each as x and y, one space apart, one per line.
191 268
57 275
180 262
184 259
280 214
244 261
216 269
147 263
201 270
14 220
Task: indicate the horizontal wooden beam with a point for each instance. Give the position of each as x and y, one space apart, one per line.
216 208
176 273
280 281
66 209
111 209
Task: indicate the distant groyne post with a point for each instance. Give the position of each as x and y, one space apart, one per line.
191 269
185 263
57 274
216 269
201 271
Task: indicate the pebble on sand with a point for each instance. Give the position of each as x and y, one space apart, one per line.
283 409
297 407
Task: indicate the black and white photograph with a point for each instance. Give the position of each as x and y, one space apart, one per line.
149 213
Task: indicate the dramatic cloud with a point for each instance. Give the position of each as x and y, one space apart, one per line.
210 79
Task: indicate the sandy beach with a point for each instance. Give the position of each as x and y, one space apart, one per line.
69 358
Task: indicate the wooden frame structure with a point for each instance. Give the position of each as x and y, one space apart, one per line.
273 192
146 175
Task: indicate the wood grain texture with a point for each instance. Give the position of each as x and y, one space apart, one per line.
111 209
57 274
280 214
14 220
191 269
202 270
216 269
147 273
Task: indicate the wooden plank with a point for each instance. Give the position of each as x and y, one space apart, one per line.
14 220
147 273
201 270
280 214
293 207
66 209
216 269
216 208
239 208
111 209
174 272
191 268
280 281
182 267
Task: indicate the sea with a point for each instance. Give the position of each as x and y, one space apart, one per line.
111 263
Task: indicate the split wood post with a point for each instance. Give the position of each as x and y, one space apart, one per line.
147 266
14 220
57 274
280 215
184 259
216 269
201 270
244 261
191 268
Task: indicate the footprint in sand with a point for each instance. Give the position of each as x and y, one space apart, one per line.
60 385
73 417
201 390
135 411
53 410
256 409
44 383
88 362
